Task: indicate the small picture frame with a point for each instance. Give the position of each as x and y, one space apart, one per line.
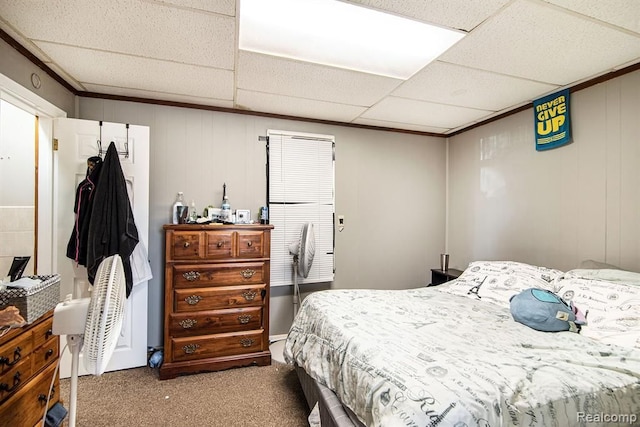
243 216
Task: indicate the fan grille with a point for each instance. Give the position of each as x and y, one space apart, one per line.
307 248
105 315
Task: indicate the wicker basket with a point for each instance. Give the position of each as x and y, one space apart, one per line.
35 301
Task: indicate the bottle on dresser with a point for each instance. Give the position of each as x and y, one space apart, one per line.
225 214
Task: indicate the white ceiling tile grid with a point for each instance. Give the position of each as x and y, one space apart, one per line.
186 51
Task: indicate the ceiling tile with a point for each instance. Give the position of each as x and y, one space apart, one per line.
622 13
225 7
459 14
110 69
455 85
537 42
137 28
410 111
398 125
290 106
163 96
270 74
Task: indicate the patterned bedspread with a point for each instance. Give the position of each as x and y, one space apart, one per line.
422 357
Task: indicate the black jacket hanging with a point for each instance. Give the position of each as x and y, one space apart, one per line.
77 246
112 229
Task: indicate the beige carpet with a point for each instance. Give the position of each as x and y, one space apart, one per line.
253 396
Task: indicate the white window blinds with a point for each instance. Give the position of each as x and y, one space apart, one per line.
301 184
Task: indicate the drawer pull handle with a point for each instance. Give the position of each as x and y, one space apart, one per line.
191 275
16 358
244 318
48 353
48 333
190 348
220 244
188 323
249 295
43 397
193 299
249 243
16 383
247 274
246 342
187 244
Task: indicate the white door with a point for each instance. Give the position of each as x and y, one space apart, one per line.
77 141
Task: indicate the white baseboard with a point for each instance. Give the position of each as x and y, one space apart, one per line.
274 338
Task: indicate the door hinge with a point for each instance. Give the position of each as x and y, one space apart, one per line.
55 144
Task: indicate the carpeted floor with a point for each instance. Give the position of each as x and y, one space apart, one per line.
244 397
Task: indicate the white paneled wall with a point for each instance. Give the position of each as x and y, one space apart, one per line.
390 187
554 208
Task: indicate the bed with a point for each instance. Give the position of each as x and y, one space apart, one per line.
452 355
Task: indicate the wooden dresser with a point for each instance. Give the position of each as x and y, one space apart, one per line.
28 358
216 287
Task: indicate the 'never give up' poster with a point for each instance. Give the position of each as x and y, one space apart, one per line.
552 120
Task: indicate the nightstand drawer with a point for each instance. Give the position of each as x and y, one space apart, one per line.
202 275
217 298
215 321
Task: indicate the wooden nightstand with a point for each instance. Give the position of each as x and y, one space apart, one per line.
439 277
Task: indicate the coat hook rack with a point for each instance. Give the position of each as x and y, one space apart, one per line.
124 153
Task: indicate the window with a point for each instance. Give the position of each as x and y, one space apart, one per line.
301 189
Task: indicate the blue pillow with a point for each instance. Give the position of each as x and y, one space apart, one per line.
543 310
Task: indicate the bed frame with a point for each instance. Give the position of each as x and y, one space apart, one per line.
332 412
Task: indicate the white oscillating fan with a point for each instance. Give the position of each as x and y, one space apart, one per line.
303 251
95 322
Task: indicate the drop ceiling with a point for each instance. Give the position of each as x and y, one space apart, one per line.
186 51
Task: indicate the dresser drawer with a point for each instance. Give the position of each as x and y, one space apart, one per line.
185 245
215 321
200 299
43 332
206 346
219 244
27 406
201 275
15 377
14 351
252 244
45 354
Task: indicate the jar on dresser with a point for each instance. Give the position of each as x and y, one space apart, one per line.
216 297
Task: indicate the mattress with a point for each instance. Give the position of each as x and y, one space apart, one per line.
421 357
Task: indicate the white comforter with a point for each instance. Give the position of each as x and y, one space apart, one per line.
421 357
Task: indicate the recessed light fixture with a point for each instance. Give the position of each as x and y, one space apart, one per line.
342 35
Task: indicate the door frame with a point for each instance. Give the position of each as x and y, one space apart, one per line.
29 101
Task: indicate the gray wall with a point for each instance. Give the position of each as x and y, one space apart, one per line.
389 186
558 207
19 69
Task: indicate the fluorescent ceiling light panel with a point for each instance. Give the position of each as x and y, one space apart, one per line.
342 35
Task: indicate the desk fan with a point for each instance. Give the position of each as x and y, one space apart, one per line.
303 251
93 322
